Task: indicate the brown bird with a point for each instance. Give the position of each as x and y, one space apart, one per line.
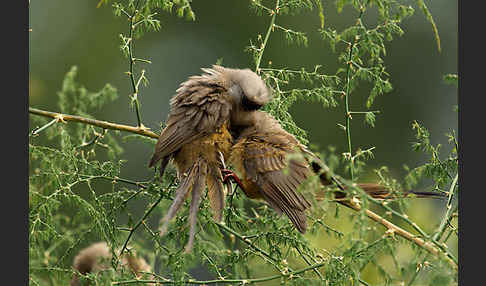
96 257
272 164
197 138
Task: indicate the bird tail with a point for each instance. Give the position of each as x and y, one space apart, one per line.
192 180
376 191
163 163
216 193
380 192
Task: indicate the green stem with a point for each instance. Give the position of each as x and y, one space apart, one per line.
132 61
308 262
348 114
139 223
264 44
346 98
36 131
251 245
133 229
448 216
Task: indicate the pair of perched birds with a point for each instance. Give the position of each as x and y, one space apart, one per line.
214 118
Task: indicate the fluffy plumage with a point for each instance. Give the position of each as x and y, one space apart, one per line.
260 157
197 138
263 157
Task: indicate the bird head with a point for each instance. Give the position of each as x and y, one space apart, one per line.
246 89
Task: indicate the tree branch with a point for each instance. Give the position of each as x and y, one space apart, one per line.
400 231
144 131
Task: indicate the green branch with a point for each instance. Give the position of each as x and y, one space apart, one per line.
264 44
348 114
248 242
346 99
132 60
134 228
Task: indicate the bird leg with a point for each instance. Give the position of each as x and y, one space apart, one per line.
228 174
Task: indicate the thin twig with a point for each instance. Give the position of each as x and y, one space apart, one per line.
417 228
346 99
288 275
251 245
37 130
133 229
308 262
264 44
134 97
92 141
348 114
440 231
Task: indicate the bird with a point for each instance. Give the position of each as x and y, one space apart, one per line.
196 137
96 257
271 164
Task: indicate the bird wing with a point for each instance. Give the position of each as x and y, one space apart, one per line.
267 164
199 108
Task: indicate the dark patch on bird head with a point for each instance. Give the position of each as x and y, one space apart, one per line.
249 105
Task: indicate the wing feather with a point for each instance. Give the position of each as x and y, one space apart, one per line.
200 107
265 162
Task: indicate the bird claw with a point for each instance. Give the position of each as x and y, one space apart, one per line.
228 174
226 171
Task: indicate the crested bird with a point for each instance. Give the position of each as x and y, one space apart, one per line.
271 165
196 137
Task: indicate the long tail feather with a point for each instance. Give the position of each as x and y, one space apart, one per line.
197 190
374 190
193 181
216 192
184 187
380 192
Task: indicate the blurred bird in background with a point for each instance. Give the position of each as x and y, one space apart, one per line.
197 139
96 258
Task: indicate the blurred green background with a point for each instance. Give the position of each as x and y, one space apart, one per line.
66 33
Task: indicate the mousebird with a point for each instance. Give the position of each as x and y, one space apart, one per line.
264 157
196 136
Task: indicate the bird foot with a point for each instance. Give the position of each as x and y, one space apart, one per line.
228 174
